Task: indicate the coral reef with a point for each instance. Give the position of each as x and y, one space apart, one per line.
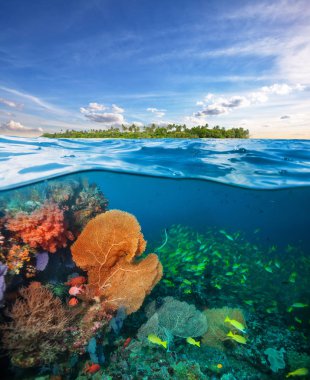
3 271
37 332
45 228
275 358
173 318
41 261
93 310
92 320
107 249
218 329
89 202
17 256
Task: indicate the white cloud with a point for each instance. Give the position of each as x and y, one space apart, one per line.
13 128
212 110
266 10
106 118
10 103
213 106
117 109
33 99
156 111
112 117
199 103
96 106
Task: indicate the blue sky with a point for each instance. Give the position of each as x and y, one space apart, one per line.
96 63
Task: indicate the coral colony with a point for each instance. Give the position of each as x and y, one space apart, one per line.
80 298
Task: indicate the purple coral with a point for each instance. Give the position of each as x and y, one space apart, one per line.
42 261
3 270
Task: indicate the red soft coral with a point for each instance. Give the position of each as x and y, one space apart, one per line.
44 228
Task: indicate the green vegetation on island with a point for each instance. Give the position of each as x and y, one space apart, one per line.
154 131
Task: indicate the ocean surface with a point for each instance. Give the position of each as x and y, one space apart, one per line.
164 259
257 164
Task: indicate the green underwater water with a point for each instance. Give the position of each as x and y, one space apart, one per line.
224 251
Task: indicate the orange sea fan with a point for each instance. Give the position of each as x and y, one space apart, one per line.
44 228
107 248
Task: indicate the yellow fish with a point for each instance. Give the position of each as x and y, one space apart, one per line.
154 339
298 372
238 325
193 342
237 338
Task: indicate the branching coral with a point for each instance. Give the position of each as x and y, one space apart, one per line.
107 249
37 332
44 228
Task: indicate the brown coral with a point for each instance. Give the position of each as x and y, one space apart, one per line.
107 249
38 328
218 329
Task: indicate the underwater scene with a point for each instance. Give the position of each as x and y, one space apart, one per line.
154 260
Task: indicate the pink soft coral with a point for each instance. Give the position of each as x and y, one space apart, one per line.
43 228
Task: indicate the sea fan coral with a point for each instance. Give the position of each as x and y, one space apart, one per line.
44 228
174 317
107 249
37 332
218 329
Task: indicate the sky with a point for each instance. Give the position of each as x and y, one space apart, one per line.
92 64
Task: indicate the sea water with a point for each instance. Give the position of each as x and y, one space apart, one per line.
228 221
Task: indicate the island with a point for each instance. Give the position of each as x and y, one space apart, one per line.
154 132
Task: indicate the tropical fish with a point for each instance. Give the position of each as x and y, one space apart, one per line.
297 305
75 290
226 235
126 343
270 310
298 372
187 291
236 337
193 342
92 368
292 277
156 340
238 325
73 301
75 281
268 269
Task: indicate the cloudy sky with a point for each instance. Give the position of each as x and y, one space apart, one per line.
96 63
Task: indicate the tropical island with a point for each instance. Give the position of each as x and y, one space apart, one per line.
154 131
